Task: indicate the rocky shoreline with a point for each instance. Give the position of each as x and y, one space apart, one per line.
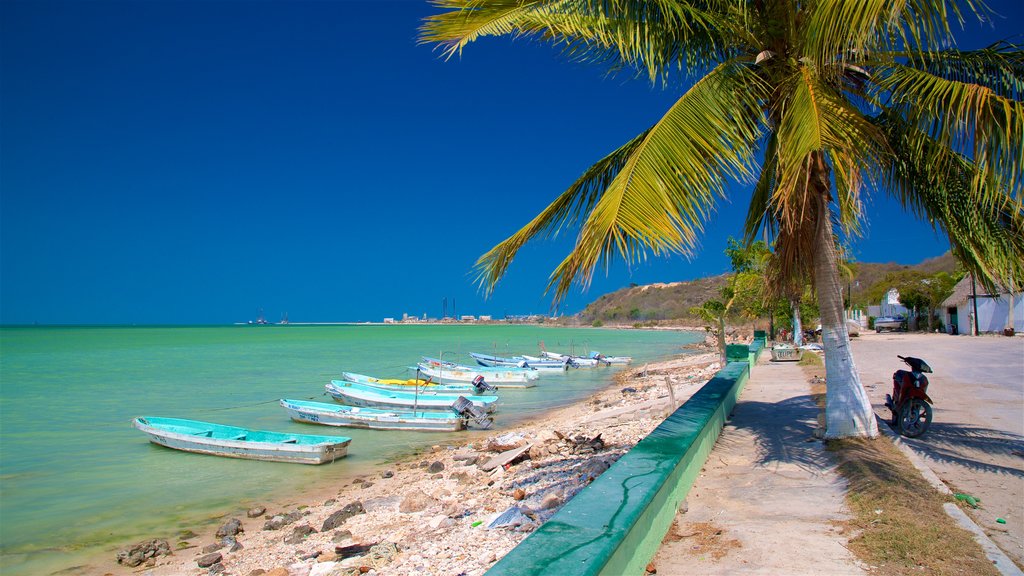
453 510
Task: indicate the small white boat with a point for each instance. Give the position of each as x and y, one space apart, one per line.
577 361
448 372
376 419
236 442
611 359
531 362
362 395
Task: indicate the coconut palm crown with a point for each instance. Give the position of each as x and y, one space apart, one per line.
815 104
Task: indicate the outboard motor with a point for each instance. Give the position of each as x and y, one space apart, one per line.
481 385
468 410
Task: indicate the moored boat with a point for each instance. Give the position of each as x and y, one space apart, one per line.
520 362
363 395
236 442
428 386
448 372
577 361
611 359
377 419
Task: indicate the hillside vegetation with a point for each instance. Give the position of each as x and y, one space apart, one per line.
672 301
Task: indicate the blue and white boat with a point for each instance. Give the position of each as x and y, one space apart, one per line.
377 419
520 362
425 386
363 395
236 442
448 372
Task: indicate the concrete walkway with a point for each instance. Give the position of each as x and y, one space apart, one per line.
768 497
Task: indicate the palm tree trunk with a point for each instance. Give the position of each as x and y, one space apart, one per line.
798 327
848 411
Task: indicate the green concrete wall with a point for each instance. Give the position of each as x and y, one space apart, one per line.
615 526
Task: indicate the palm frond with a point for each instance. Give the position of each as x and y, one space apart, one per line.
999 67
654 193
816 118
846 30
985 228
568 209
761 214
657 36
660 200
970 119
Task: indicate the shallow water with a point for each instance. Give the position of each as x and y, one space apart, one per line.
76 479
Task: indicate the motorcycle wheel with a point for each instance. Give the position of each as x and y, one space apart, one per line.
915 417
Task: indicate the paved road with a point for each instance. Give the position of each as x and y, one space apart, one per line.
976 441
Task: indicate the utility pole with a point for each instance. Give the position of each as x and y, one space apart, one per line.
974 298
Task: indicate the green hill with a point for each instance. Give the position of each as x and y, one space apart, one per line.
672 301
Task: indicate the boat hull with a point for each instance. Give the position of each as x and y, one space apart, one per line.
425 386
352 394
213 439
355 417
786 354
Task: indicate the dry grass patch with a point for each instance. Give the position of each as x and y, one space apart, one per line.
898 526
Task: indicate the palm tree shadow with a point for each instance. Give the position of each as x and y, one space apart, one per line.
783 432
973 447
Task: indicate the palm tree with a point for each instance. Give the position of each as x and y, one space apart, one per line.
816 103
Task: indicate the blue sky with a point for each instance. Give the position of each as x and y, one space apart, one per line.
194 162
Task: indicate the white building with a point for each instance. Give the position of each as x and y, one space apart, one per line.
890 305
993 309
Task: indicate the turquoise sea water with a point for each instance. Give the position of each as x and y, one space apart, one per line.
76 480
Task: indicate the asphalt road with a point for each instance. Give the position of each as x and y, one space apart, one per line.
976 441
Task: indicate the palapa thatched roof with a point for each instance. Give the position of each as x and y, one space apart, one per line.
962 292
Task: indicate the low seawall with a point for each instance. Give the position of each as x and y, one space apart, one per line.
616 524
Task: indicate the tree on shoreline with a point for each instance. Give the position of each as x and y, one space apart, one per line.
841 98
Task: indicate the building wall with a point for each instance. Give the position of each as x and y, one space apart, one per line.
992 314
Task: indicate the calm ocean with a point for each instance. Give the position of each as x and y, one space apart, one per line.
76 480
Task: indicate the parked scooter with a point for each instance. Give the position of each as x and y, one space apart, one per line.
909 402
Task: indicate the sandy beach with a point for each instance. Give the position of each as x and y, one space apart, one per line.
454 509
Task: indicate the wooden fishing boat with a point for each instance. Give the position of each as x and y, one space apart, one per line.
363 395
547 364
519 362
377 419
236 442
425 386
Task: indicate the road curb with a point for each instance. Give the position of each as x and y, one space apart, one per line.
999 559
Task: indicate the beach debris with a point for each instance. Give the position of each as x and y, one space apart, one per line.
1001 520
230 528
518 494
281 520
629 390
506 442
436 467
967 499
339 517
352 551
208 560
256 512
143 551
387 474
511 518
415 501
505 458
